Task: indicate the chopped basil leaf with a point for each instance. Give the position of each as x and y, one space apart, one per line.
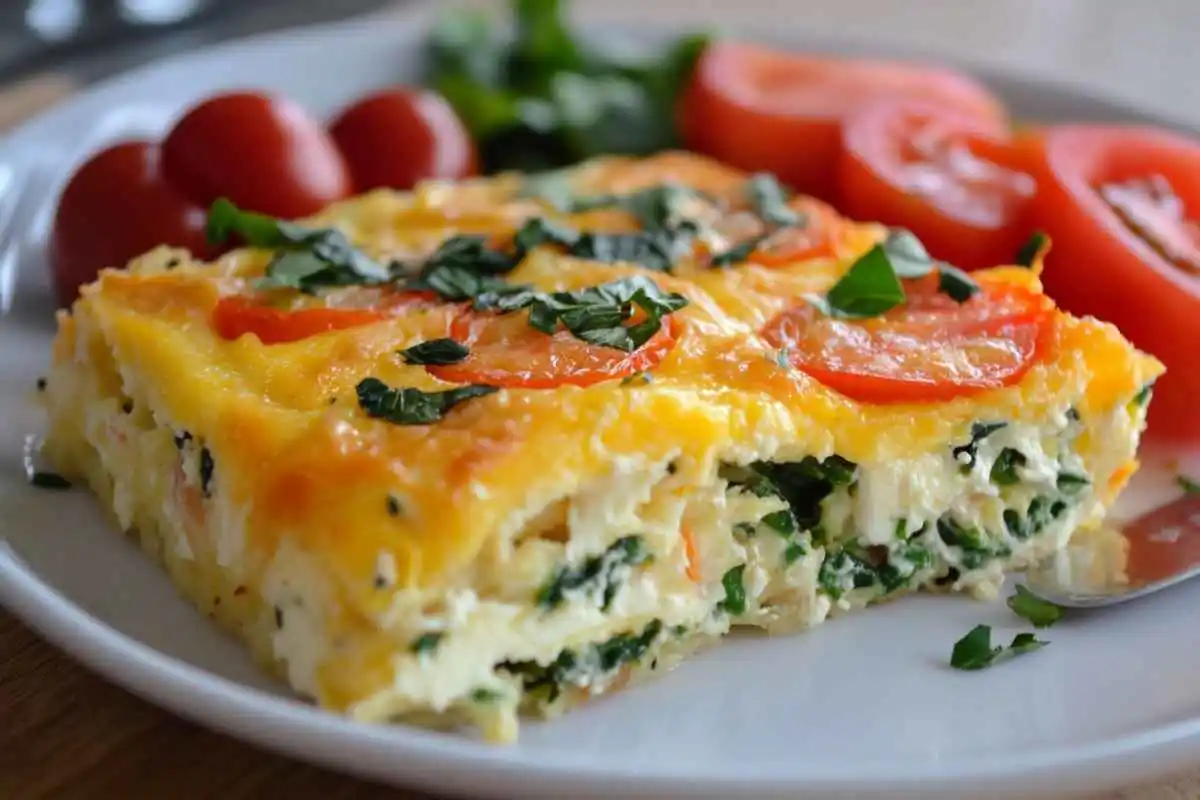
1004 469
426 643
1188 485
738 252
964 454
1069 483
803 484
869 288
48 480
735 593
1033 249
464 267
307 258
974 651
908 257
435 351
410 406
1026 604
769 200
782 522
599 573
654 207
956 284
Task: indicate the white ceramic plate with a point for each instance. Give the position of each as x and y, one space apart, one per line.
865 706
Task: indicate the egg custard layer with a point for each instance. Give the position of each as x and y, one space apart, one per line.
422 486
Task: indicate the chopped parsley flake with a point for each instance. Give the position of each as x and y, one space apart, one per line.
600 573
409 406
1004 469
426 643
965 454
735 592
1027 605
974 651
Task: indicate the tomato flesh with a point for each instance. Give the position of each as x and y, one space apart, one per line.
760 109
953 180
1107 258
399 137
507 352
236 315
264 153
930 349
116 207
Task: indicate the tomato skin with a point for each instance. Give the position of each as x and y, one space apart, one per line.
235 316
540 361
955 181
915 353
398 137
116 207
1098 266
760 109
264 153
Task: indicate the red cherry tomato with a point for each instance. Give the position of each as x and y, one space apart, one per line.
506 351
264 153
760 109
1122 207
236 316
116 207
930 349
401 136
953 180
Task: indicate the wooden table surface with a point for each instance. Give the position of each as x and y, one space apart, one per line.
66 733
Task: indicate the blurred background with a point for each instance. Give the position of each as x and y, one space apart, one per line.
1138 51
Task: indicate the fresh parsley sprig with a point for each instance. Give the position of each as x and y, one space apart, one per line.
1027 605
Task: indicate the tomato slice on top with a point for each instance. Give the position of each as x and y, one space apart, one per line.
930 349
237 315
953 180
507 352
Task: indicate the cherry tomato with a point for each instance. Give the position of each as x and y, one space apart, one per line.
930 349
1121 205
953 180
262 152
761 109
401 136
507 352
236 316
116 207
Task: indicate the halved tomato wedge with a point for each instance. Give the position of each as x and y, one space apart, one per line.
507 352
931 349
238 315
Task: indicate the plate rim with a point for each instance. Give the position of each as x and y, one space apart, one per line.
436 760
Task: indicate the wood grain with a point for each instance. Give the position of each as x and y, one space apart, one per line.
67 733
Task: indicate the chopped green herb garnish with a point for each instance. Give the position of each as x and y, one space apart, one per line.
769 200
1004 469
1189 485
804 484
600 573
1143 396
1035 248
426 643
782 522
965 454
49 480
956 284
436 351
1026 604
737 253
906 255
974 651
735 593
793 553
868 289
483 696
306 258
1069 483
409 406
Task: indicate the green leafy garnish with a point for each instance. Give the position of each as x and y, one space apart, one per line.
869 288
543 98
974 651
48 480
1188 485
956 284
804 484
1027 605
1004 469
306 258
462 268
965 454
409 406
1143 396
435 351
597 314
769 201
1035 248
737 253
597 573
975 552
426 643
735 593
906 254
1070 483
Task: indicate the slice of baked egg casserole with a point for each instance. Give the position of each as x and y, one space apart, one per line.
501 446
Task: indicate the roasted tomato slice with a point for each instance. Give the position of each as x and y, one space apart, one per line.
953 180
761 109
930 349
507 352
815 236
1121 206
238 315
